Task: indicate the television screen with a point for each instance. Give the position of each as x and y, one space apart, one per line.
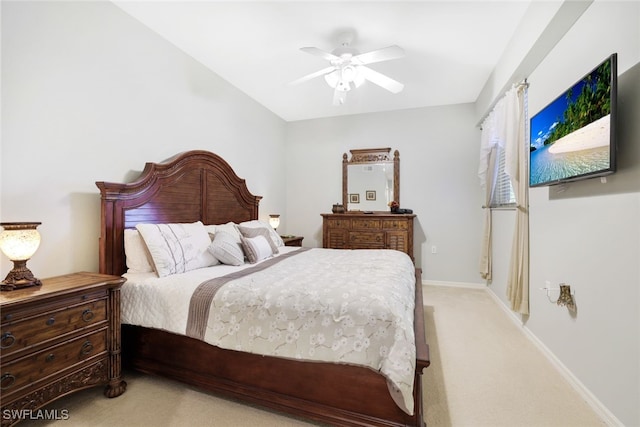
574 137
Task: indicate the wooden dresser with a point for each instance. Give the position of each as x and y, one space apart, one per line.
58 338
379 230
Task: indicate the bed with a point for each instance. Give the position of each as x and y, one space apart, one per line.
201 186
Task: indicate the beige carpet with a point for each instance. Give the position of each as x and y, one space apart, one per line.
484 373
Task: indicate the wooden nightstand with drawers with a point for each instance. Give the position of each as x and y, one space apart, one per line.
58 338
292 240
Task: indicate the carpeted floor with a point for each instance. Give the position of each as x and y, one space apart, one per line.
484 373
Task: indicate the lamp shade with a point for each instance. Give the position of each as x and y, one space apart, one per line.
19 240
274 220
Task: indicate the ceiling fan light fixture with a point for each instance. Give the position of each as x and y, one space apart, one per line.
333 78
359 77
343 86
337 81
349 73
348 68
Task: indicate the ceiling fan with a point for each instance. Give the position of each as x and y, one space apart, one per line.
348 68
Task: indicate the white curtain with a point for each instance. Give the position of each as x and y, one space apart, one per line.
516 166
491 137
485 252
505 127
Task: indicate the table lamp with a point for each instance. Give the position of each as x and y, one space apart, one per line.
274 220
19 241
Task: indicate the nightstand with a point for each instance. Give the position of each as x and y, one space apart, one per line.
58 338
292 240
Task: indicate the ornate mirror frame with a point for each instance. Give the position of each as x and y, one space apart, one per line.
370 155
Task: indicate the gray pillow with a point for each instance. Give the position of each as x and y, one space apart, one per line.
226 249
256 248
258 231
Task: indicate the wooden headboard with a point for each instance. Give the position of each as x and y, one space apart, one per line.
191 186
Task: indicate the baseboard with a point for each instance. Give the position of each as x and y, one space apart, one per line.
454 284
600 409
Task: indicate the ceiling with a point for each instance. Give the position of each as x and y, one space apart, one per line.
451 47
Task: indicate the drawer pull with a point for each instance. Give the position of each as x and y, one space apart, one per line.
7 340
87 348
51 321
50 357
8 317
88 315
6 381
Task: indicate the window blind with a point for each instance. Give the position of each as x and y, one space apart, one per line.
502 192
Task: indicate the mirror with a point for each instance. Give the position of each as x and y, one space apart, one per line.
370 179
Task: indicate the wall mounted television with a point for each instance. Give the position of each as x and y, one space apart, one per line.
574 137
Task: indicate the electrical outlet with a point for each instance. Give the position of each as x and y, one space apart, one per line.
434 249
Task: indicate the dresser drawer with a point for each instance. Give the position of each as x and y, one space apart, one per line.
364 240
24 332
338 223
371 224
336 238
13 313
397 240
37 366
395 224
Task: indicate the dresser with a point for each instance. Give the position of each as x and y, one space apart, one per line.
58 338
378 230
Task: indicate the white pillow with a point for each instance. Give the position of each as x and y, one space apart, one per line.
225 248
229 227
137 255
258 231
177 248
256 248
275 237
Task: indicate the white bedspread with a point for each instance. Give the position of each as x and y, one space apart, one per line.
354 307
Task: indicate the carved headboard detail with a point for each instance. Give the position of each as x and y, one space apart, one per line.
191 186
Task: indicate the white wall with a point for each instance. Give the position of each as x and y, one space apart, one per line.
438 179
587 234
90 94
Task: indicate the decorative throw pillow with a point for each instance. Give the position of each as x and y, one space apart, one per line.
136 253
275 237
229 227
177 248
256 248
226 250
258 231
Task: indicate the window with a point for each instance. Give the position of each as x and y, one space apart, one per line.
503 195
502 192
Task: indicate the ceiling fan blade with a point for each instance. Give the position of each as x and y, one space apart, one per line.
384 54
313 75
381 80
339 97
319 52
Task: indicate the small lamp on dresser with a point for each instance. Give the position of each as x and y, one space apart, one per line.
19 241
274 220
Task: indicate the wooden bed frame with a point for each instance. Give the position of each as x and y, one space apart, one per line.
201 186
